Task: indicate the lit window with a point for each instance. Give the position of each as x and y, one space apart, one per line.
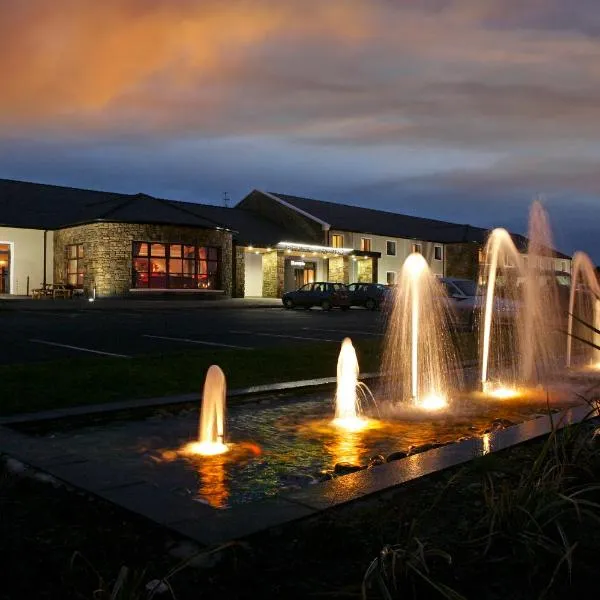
438 253
337 240
390 248
365 244
417 248
75 267
174 266
390 277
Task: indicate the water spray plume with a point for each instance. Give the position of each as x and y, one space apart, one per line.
584 302
520 345
211 432
419 359
347 402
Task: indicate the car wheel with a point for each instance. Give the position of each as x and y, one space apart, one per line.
288 303
370 304
326 305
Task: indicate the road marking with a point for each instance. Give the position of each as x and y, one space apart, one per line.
201 342
287 337
344 332
79 348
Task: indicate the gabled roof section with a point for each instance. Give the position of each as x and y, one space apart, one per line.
41 206
379 222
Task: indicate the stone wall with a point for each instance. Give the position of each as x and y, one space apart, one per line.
108 251
365 271
273 274
239 273
462 260
339 271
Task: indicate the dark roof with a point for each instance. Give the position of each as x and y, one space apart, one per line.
41 206
250 228
379 222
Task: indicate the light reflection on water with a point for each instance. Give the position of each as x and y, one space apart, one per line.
285 445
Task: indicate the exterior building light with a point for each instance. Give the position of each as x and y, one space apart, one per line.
312 248
269 249
250 247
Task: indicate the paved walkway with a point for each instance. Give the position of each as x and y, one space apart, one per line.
18 303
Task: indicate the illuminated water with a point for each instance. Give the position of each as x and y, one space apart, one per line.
521 317
349 390
420 360
584 304
278 444
211 428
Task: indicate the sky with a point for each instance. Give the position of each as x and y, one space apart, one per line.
462 110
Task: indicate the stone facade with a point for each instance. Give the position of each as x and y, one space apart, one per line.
365 271
108 251
273 274
239 273
462 260
339 271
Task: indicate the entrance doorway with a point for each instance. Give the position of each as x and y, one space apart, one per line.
4 268
305 275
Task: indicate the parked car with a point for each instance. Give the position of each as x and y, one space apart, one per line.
370 295
466 299
324 294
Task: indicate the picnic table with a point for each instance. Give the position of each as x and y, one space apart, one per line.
55 290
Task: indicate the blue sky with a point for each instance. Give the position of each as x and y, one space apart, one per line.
456 109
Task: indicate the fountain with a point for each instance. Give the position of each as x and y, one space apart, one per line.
347 400
211 434
420 360
584 305
522 345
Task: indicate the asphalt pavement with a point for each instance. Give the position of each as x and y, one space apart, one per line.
45 335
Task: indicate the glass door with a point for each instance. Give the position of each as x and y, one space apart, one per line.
4 269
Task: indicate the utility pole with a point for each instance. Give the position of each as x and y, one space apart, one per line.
226 199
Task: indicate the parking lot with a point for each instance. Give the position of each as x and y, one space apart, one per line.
34 336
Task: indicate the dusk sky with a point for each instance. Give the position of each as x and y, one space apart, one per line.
460 110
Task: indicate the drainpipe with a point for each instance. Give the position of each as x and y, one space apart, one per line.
45 257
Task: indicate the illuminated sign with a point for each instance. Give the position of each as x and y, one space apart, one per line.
311 248
297 263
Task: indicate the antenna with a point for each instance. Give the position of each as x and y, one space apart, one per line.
226 199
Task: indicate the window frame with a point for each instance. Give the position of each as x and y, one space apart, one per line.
387 249
441 249
78 259
416 245
387 273
370 244
339 237
184 266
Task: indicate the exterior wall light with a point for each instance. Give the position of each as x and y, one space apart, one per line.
313 248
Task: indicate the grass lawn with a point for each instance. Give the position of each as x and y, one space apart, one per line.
42 386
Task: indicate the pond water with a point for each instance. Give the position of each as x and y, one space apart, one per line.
278 444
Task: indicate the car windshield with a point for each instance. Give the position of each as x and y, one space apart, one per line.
468 288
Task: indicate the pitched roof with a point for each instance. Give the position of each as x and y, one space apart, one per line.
41 206
379 222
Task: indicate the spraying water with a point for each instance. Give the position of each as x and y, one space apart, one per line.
211 430
584 302
349 390
419 358
519 341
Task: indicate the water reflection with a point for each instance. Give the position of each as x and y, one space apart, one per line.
485 439
346 447
213 486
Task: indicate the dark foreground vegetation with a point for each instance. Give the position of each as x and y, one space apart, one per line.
520 524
